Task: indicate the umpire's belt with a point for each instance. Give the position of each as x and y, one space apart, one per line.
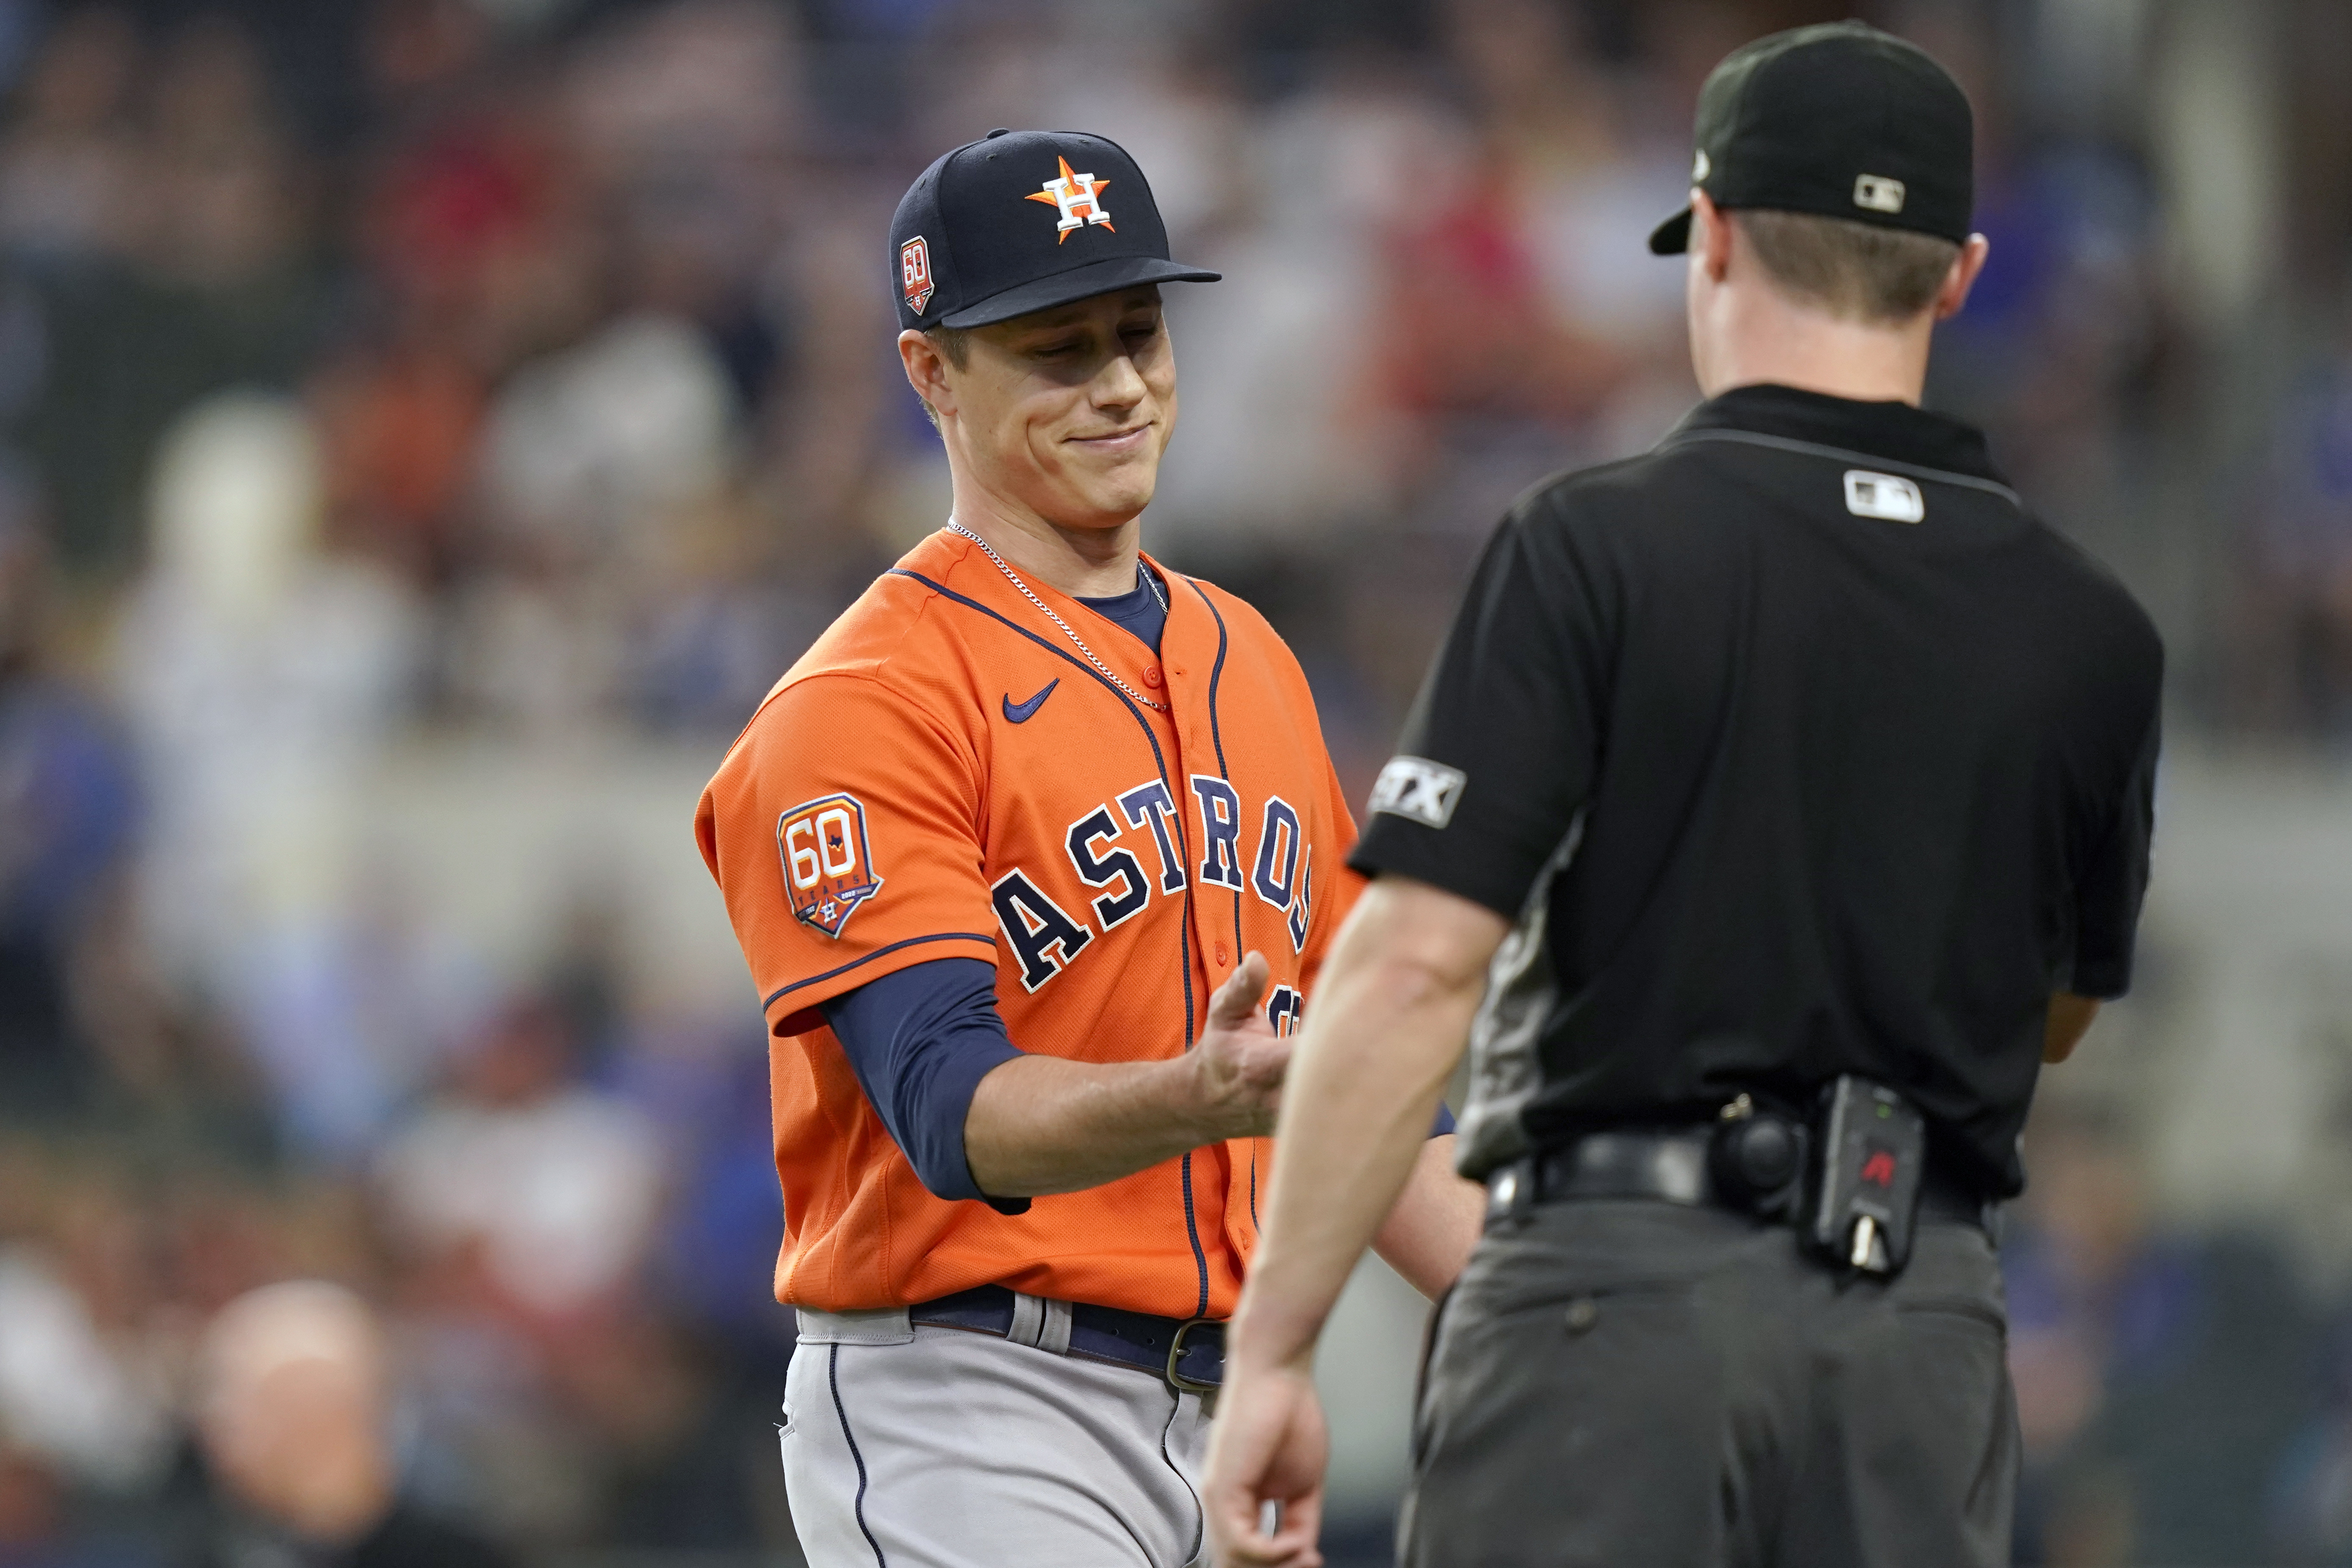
1671 1167
1188 1352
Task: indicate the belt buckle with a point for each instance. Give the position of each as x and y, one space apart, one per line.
1177 1379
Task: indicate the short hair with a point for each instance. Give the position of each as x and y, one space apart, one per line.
954 345
1855 270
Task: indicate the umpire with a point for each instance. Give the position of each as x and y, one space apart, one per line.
1796 783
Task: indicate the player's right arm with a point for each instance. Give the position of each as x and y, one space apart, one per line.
1045 1124
843 830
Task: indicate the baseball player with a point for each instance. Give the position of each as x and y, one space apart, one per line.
1035 857
1797 783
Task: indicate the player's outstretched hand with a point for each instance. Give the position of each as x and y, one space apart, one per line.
1268 1445
1239 1061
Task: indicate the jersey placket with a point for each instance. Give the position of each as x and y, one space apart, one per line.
1193 649
1186 747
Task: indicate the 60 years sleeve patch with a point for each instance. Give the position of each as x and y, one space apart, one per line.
828 865
1419 789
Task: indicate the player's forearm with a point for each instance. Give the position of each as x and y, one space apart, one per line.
1434 1223
1046 1124
1389 1023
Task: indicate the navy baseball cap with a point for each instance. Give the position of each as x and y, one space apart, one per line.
1023 220
1838 120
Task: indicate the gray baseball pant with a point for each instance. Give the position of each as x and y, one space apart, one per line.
1629 1382
910 1446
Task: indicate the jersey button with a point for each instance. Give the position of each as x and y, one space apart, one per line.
1222 959
1151 675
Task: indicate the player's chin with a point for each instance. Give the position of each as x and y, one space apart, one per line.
1108 497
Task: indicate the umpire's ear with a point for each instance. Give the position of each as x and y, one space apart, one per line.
1710 236
1967 268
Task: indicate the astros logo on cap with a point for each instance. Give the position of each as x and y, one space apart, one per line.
1080 197
915 272
829 868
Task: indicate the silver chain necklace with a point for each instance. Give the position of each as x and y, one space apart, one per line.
1014 577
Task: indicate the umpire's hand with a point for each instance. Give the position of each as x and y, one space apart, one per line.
1268 1446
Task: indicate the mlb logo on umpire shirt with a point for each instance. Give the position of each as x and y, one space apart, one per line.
1883 496
1419 789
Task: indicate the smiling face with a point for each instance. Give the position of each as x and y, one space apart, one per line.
1062 414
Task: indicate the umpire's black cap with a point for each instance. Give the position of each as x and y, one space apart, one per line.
1838 120
1021 220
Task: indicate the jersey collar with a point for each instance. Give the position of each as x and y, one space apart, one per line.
953 563
1896 431
944 555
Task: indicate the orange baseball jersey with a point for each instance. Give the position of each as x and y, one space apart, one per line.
943 775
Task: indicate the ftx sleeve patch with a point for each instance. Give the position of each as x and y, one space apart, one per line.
1419 789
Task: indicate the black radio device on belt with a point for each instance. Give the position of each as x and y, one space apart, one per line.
1874 1154
1849 1183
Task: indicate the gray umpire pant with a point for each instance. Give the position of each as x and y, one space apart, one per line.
911 1446
1629 1383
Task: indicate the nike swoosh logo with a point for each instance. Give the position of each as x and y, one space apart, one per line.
1022 712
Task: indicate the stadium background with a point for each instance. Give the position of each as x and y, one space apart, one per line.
428 426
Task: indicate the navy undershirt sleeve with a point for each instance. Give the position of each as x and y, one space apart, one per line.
919 1040
1444 1122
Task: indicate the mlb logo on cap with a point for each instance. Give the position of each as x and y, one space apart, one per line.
1878 193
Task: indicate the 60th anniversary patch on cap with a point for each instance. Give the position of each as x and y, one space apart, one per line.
1840 120
1026 220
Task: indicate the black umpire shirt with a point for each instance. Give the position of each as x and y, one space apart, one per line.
1795 747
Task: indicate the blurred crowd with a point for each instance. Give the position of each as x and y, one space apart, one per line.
516 372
